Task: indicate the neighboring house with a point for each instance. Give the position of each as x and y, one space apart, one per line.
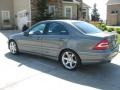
69 9
113 12
22 12
6 14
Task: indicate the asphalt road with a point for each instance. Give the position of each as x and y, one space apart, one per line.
28 72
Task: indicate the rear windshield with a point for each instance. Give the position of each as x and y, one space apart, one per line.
86 27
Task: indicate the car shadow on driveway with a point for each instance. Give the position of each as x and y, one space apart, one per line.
105 76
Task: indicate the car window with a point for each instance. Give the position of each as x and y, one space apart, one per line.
87 28
57 29
37 30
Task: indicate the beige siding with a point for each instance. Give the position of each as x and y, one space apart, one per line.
8 6
113 19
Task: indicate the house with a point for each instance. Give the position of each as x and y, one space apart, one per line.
113 12
22 12
69 9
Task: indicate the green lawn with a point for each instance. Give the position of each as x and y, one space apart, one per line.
119 38
113 27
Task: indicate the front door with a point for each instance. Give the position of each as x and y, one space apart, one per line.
68 12
32 42
55 39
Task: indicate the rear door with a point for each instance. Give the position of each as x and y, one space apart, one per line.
55 39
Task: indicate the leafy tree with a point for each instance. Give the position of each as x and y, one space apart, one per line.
42 11
95 15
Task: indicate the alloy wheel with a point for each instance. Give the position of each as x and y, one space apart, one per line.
13 47
69 60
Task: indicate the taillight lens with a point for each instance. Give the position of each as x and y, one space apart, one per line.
102 45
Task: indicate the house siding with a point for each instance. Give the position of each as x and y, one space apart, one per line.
7 5
113 18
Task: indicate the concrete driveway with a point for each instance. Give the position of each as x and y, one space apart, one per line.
28 72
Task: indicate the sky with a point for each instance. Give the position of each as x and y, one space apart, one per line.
101 6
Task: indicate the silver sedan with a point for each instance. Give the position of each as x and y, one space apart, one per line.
69 41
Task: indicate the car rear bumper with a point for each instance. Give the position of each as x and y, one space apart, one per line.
100 57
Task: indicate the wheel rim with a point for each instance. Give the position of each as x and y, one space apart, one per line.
69 60
13 47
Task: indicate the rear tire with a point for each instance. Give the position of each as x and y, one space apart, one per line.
70 60
13 47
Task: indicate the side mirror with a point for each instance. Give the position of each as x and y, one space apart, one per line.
26 33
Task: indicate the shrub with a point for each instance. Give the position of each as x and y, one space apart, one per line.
110 29
102 27
118 30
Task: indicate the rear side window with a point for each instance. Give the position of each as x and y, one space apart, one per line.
57 29
86 27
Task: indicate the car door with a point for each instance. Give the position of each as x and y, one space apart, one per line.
55 39
32 41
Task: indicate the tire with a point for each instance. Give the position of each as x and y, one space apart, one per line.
70 60
13 47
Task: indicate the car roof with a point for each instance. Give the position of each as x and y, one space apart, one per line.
65 21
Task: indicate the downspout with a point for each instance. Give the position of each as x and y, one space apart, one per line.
81 9
77 12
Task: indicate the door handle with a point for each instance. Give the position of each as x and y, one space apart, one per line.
39 38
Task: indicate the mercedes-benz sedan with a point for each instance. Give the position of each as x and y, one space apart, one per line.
69 41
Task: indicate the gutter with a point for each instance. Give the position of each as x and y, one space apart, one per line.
74 2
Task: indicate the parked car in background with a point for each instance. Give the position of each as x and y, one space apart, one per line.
69 41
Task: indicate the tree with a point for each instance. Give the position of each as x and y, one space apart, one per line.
42 11
95 15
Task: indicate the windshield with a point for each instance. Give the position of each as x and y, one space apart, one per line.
87 28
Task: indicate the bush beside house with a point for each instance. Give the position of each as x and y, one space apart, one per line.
104 27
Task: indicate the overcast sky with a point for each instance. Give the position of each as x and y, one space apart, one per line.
101 5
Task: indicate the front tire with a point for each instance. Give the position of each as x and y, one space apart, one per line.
70 60
13 47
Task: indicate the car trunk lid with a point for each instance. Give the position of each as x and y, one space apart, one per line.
111 37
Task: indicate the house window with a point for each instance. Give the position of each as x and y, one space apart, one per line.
68 12
84 15
5 17
114 11
52 9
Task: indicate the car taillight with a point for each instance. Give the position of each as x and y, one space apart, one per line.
102 45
